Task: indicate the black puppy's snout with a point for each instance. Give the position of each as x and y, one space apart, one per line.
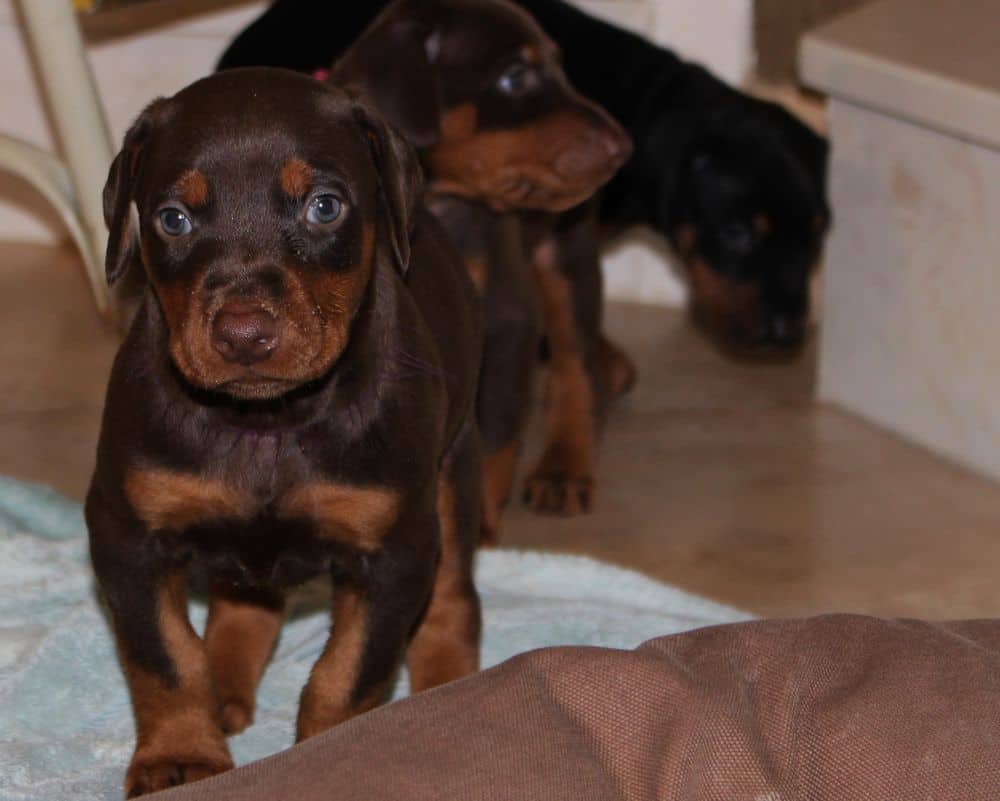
244 336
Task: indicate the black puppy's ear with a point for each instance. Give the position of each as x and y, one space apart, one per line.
119 193
399 177
392 65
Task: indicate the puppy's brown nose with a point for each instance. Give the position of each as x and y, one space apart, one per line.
244 337
618 145
595 153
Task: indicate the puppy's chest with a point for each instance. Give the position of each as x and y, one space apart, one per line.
259 507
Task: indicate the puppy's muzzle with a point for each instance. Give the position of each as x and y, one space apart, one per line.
593 153
244 335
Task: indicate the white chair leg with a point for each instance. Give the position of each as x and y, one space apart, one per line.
49 176
55 38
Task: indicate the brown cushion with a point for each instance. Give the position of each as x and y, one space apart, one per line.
838 707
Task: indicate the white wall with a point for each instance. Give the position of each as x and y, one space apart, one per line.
132 68
716 33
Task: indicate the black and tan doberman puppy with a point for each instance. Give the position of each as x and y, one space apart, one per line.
294 398
478 88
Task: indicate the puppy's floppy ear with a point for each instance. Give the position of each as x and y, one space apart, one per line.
119 193
391 64
399 178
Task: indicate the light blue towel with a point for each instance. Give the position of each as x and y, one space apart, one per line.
65 721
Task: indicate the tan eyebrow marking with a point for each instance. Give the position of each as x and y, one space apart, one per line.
296 177
192 187
533 54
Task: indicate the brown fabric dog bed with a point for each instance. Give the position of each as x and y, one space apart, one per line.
840 707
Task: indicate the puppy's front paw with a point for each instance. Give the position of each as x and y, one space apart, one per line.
150 773
620 373
552 490
235 715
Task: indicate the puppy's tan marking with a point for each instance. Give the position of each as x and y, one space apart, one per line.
720 295
478 271
240 634
165 500
328 698
563 480
178 736
358 516
687 238
296 178
618 370
533 54
498 477
459 122
445 645
192 187
724 306
571 402
522 167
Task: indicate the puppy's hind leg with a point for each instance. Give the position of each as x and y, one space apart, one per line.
242 628
445 646
563 480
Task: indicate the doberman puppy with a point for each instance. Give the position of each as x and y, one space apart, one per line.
735 183
295 398
477 87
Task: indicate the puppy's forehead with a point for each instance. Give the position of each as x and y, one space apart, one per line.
258 116
260 87
479 32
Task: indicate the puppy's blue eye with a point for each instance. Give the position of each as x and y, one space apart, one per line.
324 209
519 79
174 222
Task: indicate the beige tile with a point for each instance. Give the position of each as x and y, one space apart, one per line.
56 356
54 447
55 352
727 481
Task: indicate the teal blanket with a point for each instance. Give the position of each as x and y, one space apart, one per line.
65 723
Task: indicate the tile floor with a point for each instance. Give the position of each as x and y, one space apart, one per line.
720 478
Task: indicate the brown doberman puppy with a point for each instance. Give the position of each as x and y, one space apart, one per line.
294 398
477 87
